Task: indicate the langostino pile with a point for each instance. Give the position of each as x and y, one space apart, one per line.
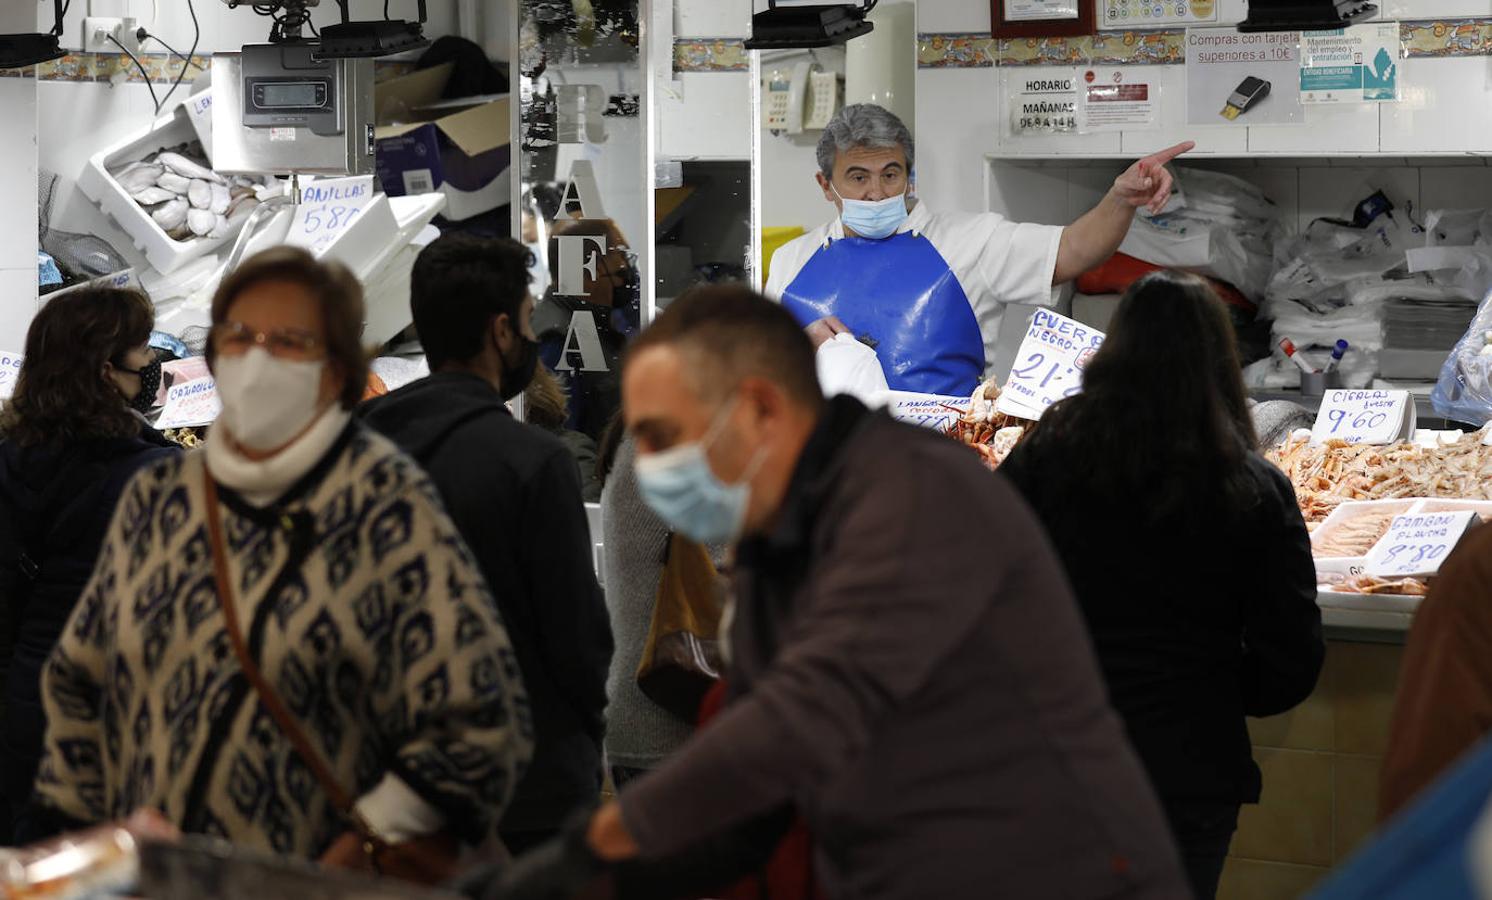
1328 474
987 432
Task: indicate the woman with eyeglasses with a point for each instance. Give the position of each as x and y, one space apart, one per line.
71 436
285 642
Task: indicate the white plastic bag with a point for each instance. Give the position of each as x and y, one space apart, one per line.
847 366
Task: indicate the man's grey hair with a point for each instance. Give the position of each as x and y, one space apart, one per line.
867 126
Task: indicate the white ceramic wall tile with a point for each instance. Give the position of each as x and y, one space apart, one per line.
1029 192
709 119
790 194
711 18
1344 130
18 173
958 122
953 16
17 306
1087 186
1456 188
1444 110
1172 126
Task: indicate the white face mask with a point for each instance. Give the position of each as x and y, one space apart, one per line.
267 401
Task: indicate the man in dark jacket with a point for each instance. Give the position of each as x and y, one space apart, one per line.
908 664
514 494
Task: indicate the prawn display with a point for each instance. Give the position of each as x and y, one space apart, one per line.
1325 475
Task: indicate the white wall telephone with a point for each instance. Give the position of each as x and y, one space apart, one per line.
799 98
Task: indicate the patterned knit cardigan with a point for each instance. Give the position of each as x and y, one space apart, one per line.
362 607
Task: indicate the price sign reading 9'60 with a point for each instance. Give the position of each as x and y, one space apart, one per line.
1049 365
1365 417
1417 544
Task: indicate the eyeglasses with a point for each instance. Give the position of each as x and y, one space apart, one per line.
236 339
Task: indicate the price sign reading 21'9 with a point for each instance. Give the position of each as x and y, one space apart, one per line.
1049 365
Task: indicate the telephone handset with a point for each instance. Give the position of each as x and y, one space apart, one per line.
823 99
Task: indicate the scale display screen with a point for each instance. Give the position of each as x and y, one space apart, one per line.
269 95
300 93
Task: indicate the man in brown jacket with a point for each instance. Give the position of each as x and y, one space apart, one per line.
908 667
1444 704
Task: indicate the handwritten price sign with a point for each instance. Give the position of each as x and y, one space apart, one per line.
1417 543
327 209
1049 365
925 410
1365 417
190 404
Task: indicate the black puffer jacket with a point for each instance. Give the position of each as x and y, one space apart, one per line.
56 502
514 493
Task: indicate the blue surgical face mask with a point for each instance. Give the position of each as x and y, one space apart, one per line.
679 485
874 219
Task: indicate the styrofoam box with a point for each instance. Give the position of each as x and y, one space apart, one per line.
1350 510
1354 565
161 251
1483 508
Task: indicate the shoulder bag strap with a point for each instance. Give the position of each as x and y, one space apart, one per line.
271 700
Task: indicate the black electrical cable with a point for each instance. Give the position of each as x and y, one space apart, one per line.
187 64
143 71
142 35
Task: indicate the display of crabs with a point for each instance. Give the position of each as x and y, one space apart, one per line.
986 431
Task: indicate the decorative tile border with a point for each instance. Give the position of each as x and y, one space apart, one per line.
1442 38
1447 38
1139 48
710 55
955 51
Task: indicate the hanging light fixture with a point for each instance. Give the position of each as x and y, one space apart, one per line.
795 24
1305 15
18 51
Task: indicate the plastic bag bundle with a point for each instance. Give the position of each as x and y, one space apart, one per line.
1464 389
1213 224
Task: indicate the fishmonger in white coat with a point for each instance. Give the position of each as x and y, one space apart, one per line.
928 290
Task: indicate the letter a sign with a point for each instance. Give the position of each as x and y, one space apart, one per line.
583 338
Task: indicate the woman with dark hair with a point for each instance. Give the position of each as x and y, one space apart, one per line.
545 407
72 437
1186 549
285 642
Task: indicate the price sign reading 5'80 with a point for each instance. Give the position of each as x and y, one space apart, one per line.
1049 365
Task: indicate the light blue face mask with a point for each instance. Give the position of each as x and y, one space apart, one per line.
874 219
679 485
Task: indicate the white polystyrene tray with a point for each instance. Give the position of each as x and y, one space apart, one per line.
1351 509
161 251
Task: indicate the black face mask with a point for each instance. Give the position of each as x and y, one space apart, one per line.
150 383
516 377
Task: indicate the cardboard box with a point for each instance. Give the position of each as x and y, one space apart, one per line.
459 148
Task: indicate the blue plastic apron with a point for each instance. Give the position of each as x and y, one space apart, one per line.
901 294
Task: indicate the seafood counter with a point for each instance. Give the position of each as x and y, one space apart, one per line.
1350 494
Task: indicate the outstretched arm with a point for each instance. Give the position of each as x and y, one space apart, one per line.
1095 236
